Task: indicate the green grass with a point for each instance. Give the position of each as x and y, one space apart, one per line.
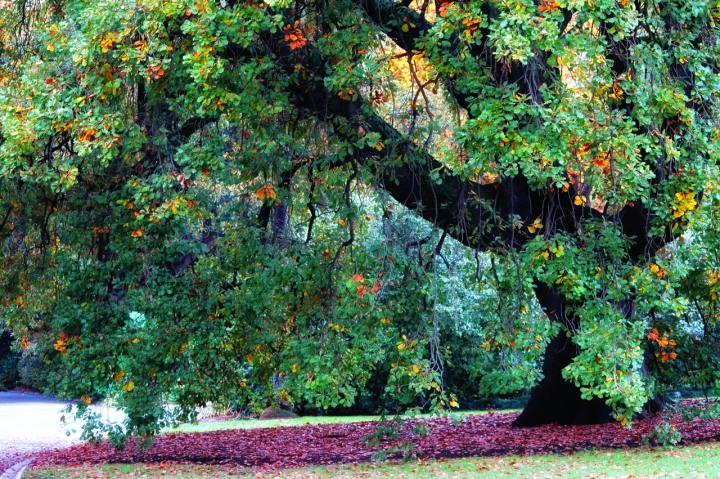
692 462
301 421
256 423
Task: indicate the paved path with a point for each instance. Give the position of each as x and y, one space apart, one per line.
30 422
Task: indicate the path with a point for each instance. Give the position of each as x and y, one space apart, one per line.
31 422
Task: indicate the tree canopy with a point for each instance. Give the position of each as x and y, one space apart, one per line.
199 197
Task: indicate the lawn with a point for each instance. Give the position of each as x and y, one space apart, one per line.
256 423
701 460
301 421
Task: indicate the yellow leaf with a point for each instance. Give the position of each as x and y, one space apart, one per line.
537 225
401 346
416 369
580 200
454 403
129 386
51 47
405 27
118 375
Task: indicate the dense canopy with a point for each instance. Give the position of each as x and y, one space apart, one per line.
248 202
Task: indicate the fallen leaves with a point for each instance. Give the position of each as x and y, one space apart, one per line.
281 447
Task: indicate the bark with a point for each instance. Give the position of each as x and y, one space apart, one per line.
554 400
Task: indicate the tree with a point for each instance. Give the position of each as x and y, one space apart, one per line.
169 172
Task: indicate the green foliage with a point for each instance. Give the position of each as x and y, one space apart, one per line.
200 197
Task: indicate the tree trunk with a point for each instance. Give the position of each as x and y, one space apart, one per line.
554 400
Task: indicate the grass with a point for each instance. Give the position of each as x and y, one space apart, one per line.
695 461
301 421
256 423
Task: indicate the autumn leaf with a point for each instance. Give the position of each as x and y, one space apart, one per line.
184 181
444 6
87 134
548 6
654 334
536 226
267 191
358 277
294 36
129 386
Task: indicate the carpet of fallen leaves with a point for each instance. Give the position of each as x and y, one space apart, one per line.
280 447
9 457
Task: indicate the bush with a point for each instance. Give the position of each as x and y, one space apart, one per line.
31 371
8 362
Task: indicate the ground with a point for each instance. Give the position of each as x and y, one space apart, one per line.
282 447
35 429
31 422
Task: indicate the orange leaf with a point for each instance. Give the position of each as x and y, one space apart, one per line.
267 191
653 336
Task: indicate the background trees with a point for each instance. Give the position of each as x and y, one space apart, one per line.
199 195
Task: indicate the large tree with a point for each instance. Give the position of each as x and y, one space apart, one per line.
159 160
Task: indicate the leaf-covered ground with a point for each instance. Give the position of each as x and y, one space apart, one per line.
696 461
281 447
10 456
